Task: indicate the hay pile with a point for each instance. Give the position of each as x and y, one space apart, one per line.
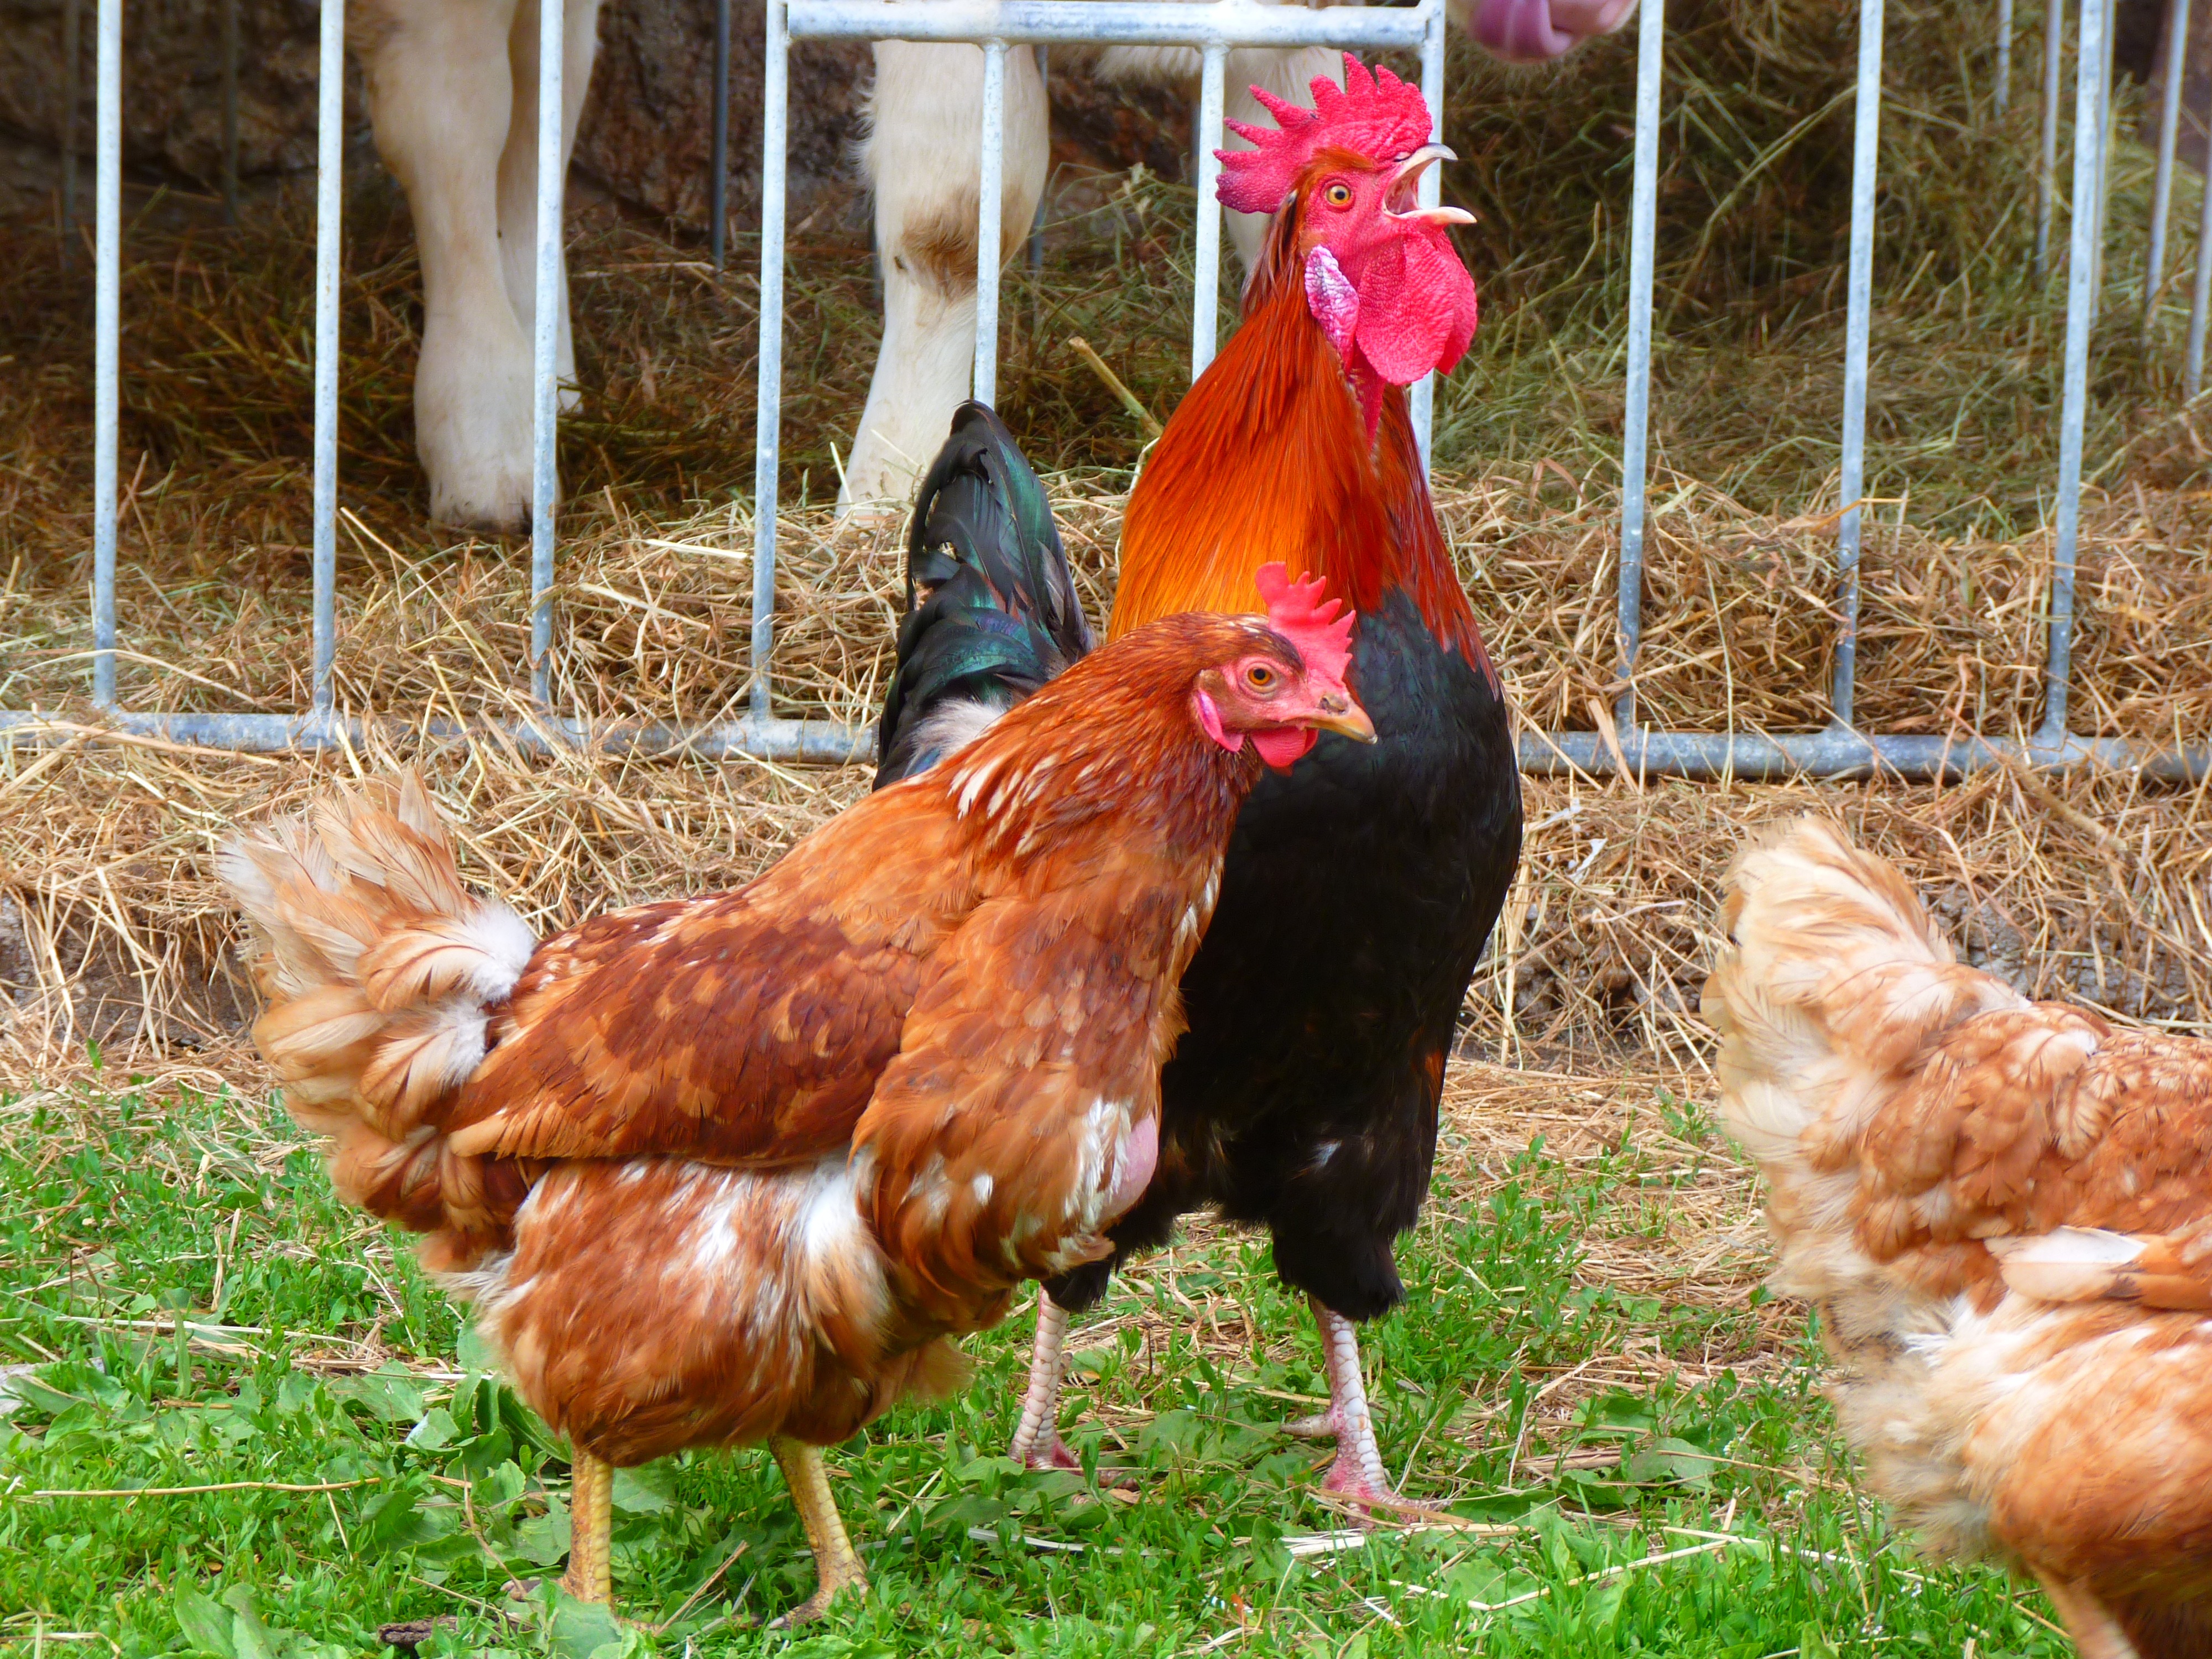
655 615
110 930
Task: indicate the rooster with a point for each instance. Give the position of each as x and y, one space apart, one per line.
1359 889
730 1169
2002 1210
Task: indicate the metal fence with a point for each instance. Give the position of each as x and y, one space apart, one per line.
1212 26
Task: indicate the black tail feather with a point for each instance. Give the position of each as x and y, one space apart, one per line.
991 610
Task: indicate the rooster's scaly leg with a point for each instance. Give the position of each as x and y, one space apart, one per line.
836 1566
1036 1442
589 1577
1358 1472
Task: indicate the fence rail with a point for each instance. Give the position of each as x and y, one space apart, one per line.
1212 28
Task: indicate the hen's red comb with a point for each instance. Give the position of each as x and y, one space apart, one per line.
1377 116
1303 612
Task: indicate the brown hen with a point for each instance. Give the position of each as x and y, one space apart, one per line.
732 1168
2002 1210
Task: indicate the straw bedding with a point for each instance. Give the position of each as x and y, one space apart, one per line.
2096 885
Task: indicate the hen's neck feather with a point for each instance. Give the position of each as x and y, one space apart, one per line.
1267 458
1106 758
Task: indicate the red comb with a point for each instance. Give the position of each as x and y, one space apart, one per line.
1303 612
1377 116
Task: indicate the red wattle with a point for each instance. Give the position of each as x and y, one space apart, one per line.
1282 745
1417 305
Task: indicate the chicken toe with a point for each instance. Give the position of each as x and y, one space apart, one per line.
836 1567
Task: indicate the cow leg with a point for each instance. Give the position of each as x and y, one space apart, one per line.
439 90
518 164
922 157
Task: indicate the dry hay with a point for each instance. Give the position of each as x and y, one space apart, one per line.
656 614
2093 886
2093 882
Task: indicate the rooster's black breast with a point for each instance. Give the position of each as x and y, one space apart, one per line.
1360 890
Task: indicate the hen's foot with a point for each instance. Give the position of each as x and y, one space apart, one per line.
836 1567
1355 1481
1046 1452
815 1606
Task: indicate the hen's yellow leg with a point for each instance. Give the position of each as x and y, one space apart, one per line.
2095 1631
836 1566
589 1577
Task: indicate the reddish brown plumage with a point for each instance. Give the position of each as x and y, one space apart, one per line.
734 1167
2004 1210
1267 458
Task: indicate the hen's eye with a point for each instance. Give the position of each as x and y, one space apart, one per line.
1338 194
1259 676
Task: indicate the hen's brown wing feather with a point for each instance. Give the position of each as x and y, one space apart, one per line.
742 1027
1032 1055
2029 1121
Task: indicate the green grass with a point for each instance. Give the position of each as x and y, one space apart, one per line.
183 1303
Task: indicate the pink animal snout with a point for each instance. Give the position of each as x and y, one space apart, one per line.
1531 31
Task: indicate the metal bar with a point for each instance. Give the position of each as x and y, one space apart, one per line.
2169 132
230 112
819 742
1642 229
1433 92
1205 283
1866 158
72 69
2003 89
107 342
990 188
1668 754
768 398
2081 290
2107 142
1037 222
330 203
1844 753
718 172
545 357
2046 175
2200 296
1120 22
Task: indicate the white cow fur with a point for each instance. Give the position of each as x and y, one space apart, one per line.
925 131
452 88
453 91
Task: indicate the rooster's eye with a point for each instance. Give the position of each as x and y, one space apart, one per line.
1259 676
1338 194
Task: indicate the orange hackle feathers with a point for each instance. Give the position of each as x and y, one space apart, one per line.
2003 1210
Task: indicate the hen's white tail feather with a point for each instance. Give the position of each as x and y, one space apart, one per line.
380 969
1833 979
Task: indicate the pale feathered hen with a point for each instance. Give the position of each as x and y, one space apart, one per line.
2002 1210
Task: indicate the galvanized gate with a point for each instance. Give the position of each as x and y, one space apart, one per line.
1212 26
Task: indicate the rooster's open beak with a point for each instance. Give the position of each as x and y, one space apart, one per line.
1411 169
1338 713
1407 180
